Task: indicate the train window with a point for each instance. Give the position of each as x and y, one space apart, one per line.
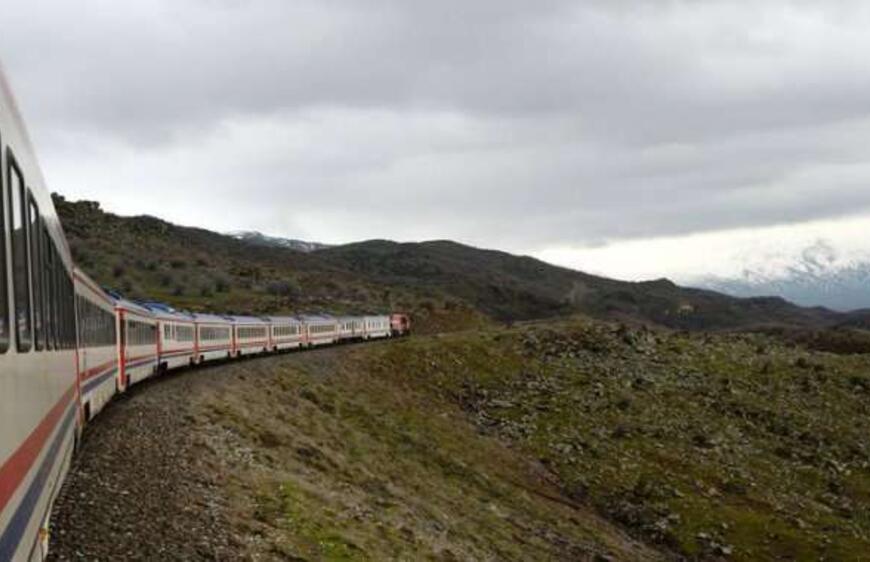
50 301
44 275
211 334
71 312
141 333
36 275
20 259
4 304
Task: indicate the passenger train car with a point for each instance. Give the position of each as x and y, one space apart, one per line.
97 345
39 388
67 346
214 337
176 337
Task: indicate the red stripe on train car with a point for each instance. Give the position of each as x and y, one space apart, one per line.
15 469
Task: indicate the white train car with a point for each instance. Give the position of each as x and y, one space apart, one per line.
250 335
350 328
214 337
98 341
137 343
320 330
39 401
176 337
377 327
287 332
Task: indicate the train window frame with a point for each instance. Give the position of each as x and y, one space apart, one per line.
45 275
23 324
5 319
36 289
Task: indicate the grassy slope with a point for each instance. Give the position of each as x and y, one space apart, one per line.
327 462
503 444
708 445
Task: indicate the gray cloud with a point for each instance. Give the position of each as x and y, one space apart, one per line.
504 123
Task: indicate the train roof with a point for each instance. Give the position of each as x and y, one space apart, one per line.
164 311
316 318
246 320
86 280
282 319
132 306
210 318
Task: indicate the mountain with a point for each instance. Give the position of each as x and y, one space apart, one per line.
444 284
260 239
508 287
817 275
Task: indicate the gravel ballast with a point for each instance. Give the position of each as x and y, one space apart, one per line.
141 471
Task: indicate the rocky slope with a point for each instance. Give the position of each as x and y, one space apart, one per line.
728 446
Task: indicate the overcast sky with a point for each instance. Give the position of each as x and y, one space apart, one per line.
607 135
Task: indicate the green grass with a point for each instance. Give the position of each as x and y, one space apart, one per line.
703 444
328 461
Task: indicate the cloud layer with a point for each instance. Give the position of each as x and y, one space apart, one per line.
519 125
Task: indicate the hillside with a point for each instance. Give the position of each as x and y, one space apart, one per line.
443 284
575 440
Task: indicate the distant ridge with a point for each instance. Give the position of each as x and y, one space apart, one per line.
449 284
260 239
817 275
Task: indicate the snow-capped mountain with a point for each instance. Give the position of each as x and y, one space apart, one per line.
261 239
817 275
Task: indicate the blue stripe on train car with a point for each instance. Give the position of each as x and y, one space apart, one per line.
11 537
97 381
140 363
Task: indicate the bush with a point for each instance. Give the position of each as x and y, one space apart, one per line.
283 288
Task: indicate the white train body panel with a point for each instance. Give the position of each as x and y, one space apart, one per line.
250 335
176 337
98 340
137 343
39 409
377 327
286 333
351 328
321 330
214 337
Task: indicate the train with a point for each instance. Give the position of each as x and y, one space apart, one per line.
68 347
